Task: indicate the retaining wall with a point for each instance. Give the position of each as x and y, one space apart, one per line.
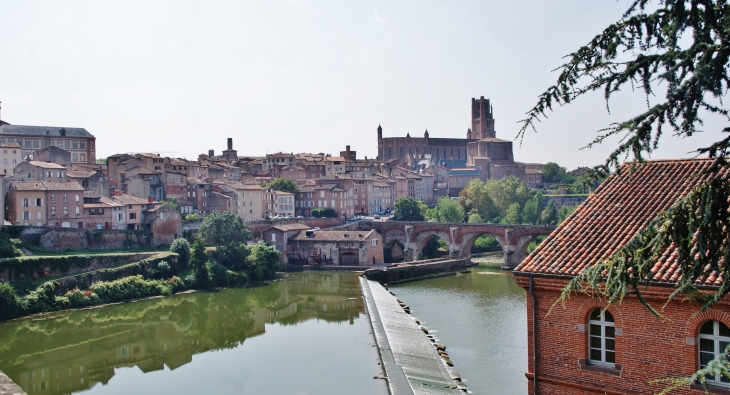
85 280
415 270
69 239
35 267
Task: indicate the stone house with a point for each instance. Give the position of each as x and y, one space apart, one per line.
26 203
99 212
336 198
247 200
9 157
53 154
277 236
65 204
589 347
77 141
339 248
164 223
284 203
91 180
305 202
36 171
135 207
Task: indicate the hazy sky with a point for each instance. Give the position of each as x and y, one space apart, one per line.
301 75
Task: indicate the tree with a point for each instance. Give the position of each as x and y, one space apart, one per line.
565 212
198 262
172 203
447 210
508 190
512 216
679 46
531 213
408 209
191 217
549 215
475 219
323 213
284 184
181 247
552 173
475 199
225 230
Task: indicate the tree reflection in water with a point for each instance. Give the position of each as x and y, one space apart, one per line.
66 352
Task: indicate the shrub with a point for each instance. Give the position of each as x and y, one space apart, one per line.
9 247
132 287
221 276
181 247
323 213
9 302
77 298
41 299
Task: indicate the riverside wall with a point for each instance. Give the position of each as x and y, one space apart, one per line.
35 267
416 270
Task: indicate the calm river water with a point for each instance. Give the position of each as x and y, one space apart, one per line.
481 319
305 335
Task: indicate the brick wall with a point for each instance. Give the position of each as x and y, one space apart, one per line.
65 239
647 348
52 266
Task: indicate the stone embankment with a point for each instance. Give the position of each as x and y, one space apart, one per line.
416 270
412 361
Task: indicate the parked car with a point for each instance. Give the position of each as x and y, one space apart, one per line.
376 216
289 217
315 228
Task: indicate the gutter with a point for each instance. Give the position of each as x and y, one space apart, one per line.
534 336
569 277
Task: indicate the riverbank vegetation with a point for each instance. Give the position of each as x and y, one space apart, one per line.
232 263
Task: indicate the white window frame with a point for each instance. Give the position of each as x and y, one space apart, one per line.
718 340
602 323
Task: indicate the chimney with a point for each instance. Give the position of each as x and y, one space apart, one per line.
230 144
150 199
211 153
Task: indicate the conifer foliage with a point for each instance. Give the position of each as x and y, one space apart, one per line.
681 47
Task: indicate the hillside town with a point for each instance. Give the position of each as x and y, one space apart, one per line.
53 177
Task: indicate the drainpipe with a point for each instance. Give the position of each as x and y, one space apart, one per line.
534 336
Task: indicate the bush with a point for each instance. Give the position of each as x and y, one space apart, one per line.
192 217
323 213
181 247
41 299
10 305
133 287
9 247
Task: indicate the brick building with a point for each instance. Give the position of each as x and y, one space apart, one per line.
576 349
77 141
344 248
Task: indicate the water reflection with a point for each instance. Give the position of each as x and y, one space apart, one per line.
73 351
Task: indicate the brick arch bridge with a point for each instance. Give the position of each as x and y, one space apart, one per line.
460 237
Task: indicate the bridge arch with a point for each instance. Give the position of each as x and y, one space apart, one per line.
424 237
393 251
470 238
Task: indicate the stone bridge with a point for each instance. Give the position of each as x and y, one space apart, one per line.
459 237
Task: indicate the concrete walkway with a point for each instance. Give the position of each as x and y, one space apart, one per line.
8 387
412 364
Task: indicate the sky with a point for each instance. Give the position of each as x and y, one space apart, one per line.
179 77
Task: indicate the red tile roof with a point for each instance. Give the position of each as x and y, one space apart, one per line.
614 214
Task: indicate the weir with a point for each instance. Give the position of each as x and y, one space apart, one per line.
411 363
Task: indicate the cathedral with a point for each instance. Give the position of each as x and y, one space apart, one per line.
480 150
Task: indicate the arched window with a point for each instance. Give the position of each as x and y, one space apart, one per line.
77 197
601 338
78 210
53 210
65 209
713 338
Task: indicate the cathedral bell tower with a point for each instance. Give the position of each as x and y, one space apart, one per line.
482 119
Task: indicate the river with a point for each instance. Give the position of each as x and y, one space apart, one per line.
481 319
305 335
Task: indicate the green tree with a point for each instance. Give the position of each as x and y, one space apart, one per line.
263 262
191 217
512 215
475 219
225 230
475 199
284 184
447 210
408 209
507 191
530 213
181 247
565 212
676 52
323 213
172 203
549 215
198 262
553 172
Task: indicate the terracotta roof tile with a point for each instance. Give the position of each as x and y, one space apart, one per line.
614 214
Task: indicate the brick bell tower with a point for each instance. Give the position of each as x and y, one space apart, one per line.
482 119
